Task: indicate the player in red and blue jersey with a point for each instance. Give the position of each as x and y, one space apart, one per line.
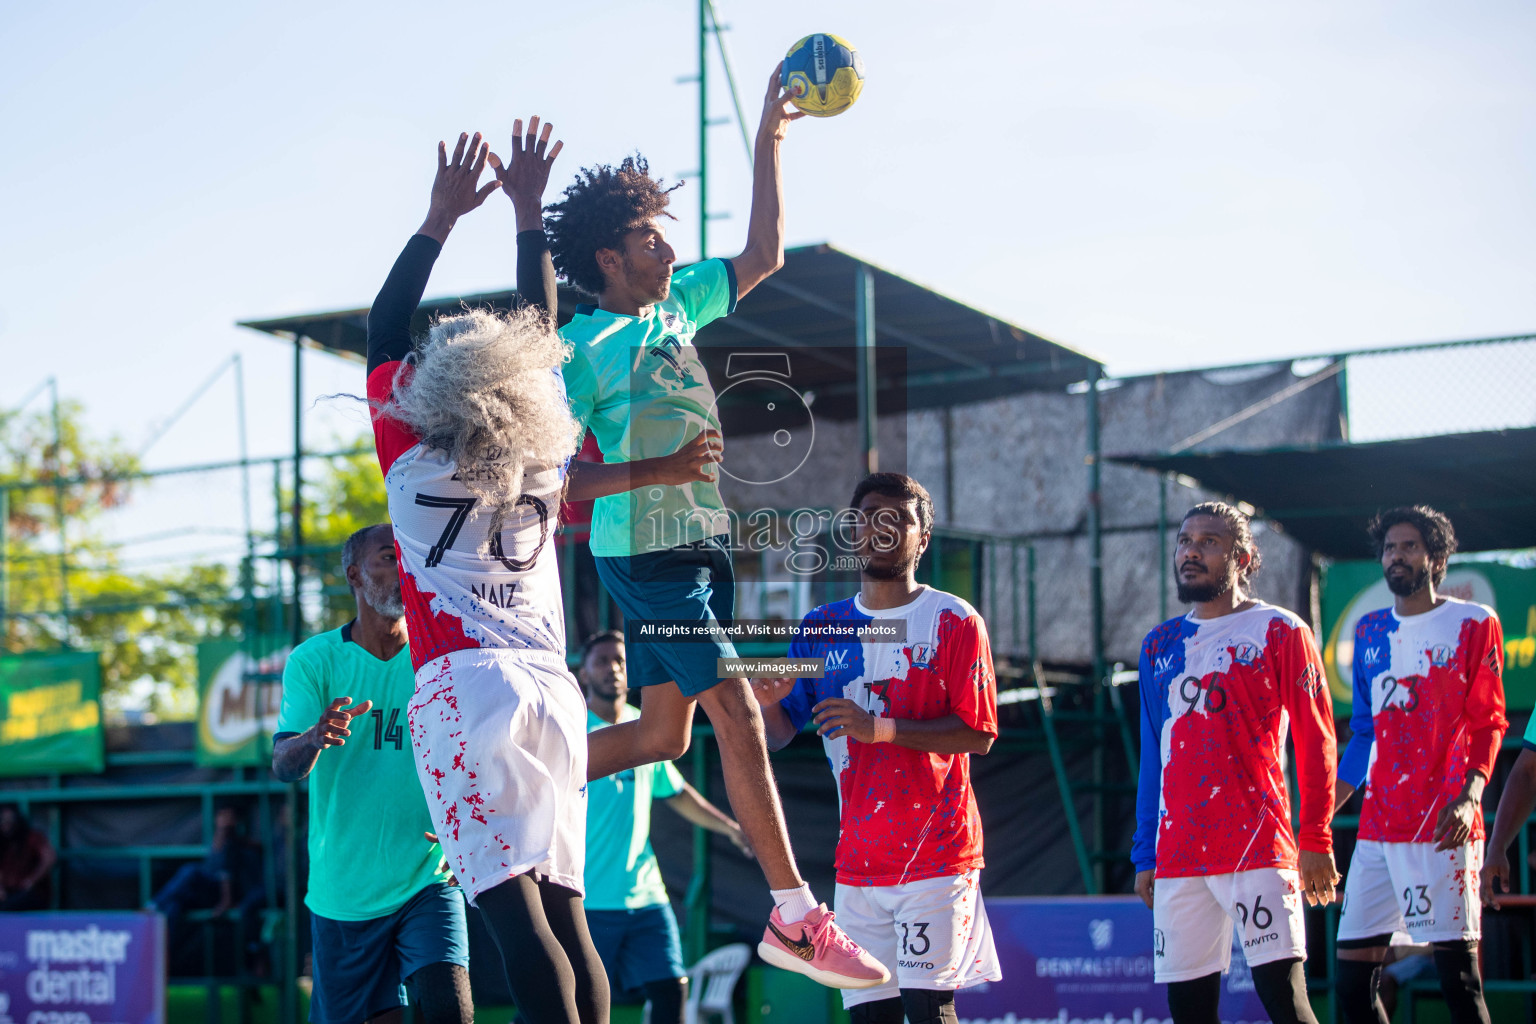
1427 723
899 719
1220 689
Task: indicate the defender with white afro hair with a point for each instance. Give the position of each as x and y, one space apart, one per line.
484 388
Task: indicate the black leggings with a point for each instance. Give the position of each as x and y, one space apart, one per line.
1281 986
442 994
914 1005
667 997
541 931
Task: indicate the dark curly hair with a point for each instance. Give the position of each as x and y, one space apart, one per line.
597 210
1433 526
603 637
897 485
1242 533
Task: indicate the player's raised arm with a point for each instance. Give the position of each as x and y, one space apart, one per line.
523 178
764 253
455 192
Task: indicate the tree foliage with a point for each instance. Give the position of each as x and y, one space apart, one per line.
146 623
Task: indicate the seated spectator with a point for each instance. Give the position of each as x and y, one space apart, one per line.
26 858
225 881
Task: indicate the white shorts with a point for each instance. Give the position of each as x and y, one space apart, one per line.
501 750
1192 921
930 934
1412 890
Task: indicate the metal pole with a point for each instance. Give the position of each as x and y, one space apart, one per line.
1013 634
289 1004
58 510
864 329
297 526
703 130
1034 647
700 894
5 564
1095 529
1162 547
1343 376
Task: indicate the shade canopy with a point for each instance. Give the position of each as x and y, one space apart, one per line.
1324 495
932 350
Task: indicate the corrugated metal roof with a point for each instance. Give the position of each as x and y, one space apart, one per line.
932 350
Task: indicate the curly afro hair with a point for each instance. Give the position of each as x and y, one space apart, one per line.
1434 528
597 210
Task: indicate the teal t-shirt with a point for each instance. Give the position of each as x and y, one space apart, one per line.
367 812
622 873
638 385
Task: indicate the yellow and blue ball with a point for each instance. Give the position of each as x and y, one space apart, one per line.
824 74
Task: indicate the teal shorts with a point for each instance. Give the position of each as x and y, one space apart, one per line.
361 966
694 582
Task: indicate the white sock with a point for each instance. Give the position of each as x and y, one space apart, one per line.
793 904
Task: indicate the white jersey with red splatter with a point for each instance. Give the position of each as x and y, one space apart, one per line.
461 588
905 814
1217 699
1429 708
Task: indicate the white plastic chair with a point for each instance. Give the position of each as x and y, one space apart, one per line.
714 982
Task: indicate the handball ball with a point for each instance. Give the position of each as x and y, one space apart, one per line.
823 74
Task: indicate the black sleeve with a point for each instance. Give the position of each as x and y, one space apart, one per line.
389 321
536 273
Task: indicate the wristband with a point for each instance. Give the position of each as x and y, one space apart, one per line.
885 730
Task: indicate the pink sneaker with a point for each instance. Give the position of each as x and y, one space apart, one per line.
820 950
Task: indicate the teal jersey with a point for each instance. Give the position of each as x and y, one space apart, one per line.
367 812
638 385
622 873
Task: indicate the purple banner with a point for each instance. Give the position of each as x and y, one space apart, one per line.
1085 960
82 967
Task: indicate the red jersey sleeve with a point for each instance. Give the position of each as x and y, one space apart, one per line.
1304 693
968 673
1484 708
391 437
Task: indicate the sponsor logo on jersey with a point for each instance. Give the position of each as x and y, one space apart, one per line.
1165 664
1246 654
837 659
1311 681
1372 655
922 654
1440 655
1159 942
1494 662
1261 940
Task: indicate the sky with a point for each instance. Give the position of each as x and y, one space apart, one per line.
1160 186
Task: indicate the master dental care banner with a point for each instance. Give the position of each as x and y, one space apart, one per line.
1084 960
82 967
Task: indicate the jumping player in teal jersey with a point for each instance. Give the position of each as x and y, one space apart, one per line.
635 381
382 911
